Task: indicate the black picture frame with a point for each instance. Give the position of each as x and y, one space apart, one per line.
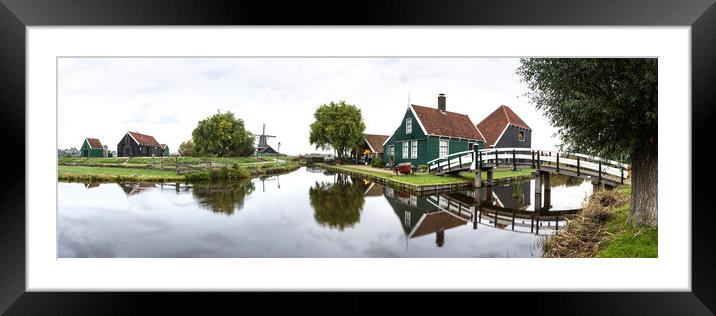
15 15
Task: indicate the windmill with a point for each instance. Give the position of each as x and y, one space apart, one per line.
263 147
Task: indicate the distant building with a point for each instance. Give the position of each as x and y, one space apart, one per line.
373 145
165 150
72 152
137 144
92 147
504 129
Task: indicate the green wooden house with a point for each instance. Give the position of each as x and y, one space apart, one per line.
428 133
91 147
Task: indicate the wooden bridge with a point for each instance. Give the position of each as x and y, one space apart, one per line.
604 171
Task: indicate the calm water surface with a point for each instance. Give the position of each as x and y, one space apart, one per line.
309 213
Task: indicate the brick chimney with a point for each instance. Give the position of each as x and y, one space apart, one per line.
441 102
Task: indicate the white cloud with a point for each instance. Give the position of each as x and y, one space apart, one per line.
166 97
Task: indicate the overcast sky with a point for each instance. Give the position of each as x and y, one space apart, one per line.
166 97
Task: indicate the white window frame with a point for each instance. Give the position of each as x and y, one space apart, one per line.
391 151
414 149
447 147
409 125
524 136
406 150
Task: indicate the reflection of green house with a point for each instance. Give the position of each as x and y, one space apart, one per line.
420 217
428 133
91 147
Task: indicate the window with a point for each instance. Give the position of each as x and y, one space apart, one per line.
408 126
444 147
521 136
414 152
405 150
391 151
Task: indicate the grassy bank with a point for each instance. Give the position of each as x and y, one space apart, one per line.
116 174
95 161
110 174
602 230
425 179
239 171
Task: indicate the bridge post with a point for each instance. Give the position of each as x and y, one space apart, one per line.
459 161
546 181
533 158
497 161
578 166
557 161
600 171
478 178
538 191
489 177
514 162
622 177
539 153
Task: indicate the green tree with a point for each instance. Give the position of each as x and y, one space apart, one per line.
222 135
337 205
338 126
605 107
187 149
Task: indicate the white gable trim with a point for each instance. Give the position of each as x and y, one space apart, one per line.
483 136
369 146
135 140
503 133
417 118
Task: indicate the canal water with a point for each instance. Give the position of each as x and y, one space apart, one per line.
310 213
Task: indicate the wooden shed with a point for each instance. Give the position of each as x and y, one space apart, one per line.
137 144
92 147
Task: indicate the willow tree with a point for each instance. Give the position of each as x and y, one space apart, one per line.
605 107
222 135
337 126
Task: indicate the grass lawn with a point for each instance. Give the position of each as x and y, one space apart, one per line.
80 173
413 179
628 241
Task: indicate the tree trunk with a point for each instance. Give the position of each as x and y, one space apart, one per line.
644 202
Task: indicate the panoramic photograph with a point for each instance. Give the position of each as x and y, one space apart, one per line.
357 157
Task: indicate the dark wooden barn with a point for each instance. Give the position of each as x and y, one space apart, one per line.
136 144
504 129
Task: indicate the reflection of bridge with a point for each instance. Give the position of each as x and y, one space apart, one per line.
506 209
605 171
485 207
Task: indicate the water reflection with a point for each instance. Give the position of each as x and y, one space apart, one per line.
337 204
223 198
310 213
508 207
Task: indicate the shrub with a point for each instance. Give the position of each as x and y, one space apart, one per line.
377 163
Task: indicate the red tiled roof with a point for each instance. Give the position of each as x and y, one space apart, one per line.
144 139
94 143
446 123
436 221
376 141
493 125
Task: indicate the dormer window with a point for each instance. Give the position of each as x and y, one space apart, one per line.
408 125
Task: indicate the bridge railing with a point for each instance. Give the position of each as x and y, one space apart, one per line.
536 158
511 157
455 161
